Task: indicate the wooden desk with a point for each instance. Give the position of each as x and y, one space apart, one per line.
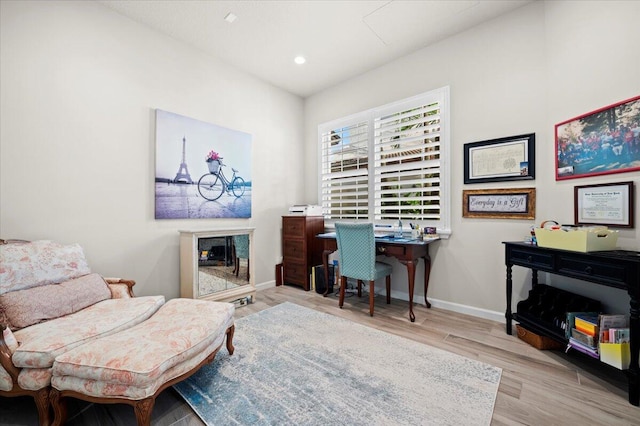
407 251
616 268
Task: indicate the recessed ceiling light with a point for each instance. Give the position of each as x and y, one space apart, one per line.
299 60
230 17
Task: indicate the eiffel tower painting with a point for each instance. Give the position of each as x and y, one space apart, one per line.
183 173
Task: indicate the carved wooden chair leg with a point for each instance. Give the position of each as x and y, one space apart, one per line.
59 405
230 346
143 409
43 404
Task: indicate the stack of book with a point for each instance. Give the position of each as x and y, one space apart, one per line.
584 332
601 336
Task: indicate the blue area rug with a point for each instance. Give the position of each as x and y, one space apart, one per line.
297 366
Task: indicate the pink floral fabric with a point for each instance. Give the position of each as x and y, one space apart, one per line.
10 339
41 343
34 378
103 389
6 384
175 339
28 378
26 265
119 291
33 305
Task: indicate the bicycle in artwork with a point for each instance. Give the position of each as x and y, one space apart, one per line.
212 185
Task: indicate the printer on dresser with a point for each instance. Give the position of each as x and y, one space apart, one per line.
301 250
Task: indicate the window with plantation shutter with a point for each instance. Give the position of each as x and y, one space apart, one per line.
389 163
345 170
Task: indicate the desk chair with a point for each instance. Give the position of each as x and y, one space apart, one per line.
357 256
241 251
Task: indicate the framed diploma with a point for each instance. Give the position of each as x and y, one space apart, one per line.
503 159
609 204
517 203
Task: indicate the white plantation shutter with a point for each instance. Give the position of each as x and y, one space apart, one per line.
389 163
407 162
345 172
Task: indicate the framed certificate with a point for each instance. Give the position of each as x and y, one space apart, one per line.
609 204
503 159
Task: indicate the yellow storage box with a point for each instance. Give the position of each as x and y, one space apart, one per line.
616 354
584 240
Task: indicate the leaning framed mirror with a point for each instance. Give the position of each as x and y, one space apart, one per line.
216 264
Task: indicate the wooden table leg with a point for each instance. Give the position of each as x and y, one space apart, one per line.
634 331
411 275
508 314
427 272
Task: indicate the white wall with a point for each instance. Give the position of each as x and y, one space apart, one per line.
79 85
520 73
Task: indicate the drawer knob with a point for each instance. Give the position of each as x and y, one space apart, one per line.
382 249
588 270
530 259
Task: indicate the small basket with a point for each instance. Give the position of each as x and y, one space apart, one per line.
538 342
214 166
582 240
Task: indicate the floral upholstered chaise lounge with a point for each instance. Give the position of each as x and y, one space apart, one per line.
67 332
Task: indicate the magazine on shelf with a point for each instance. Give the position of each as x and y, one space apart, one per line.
580 347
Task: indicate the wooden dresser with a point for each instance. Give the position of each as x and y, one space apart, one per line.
301 250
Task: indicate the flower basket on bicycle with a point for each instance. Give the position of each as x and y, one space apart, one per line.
214 166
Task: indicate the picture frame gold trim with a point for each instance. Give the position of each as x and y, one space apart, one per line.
514 203
607 204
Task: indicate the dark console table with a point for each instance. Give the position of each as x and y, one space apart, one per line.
616 268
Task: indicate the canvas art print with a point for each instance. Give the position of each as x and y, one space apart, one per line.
600 142
202 170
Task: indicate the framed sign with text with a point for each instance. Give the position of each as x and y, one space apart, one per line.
609 204
516 203
503 159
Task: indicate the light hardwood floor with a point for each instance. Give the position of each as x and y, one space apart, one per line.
536 388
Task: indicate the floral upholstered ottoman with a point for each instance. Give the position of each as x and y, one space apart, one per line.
133 366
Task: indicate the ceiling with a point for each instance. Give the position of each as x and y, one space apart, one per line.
339 39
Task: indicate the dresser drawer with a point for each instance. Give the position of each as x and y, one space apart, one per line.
293 249
294 227
531 259
590 270
295 273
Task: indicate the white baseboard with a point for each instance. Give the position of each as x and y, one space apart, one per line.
468 310
266 284
436 303
454 307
